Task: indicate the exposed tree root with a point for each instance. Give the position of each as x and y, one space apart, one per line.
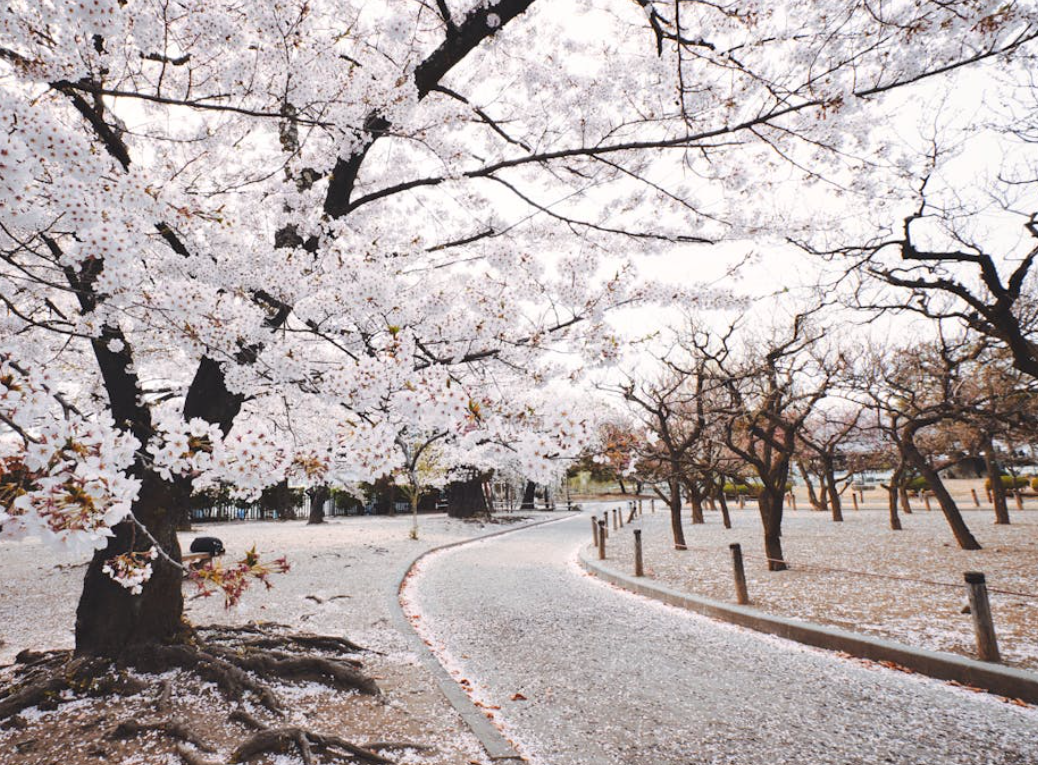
240 661
226 656
272 740
40 680
382 746
299 668
255 635
177 729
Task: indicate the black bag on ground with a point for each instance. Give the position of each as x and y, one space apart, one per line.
210 545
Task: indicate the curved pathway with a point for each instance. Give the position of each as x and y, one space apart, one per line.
587 674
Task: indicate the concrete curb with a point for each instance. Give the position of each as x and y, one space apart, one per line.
498 748
994 678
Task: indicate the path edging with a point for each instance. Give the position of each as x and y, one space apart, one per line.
994 678
498 748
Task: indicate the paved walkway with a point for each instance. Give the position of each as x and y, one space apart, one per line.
611 678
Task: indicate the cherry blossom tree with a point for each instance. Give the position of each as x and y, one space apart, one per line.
219 212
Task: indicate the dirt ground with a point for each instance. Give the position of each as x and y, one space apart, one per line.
851 574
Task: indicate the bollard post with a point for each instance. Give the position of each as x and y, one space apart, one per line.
594 529
793 499
983 625
854 496
652 504
789 501
742 597
601 539
926 501
1019 500
615 525
976 502
620 515
639 507
861 495
639 569
990 497
742 502
603 527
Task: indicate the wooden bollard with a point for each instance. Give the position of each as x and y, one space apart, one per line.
615 524
1019 500
976 502
789 500
620 515
603 525
854 497
983 625
990 496
793 499
926 501
639 569
601 539
861 495
742 502
652 504
639 506
594 529
742 596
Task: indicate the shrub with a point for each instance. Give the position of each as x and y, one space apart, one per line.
918 484
1013 482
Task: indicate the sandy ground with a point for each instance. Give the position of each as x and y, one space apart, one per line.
860 595
342 583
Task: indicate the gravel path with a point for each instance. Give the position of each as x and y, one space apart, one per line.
607 677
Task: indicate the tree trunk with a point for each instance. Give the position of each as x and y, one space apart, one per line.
623 489
529 496
466 498
109 619
812 496
951 512
318 496
725 517
892 499
998 491
675 514
770 503
902 495
695 499
830 486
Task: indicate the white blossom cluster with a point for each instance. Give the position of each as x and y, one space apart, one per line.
247 460
131 570
62 478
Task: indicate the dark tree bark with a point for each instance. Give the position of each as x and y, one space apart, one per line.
466 498
674 501
893 489
829 472
318 496
962 534
529 496
695 499
719 493
998 490
110 620
620 480
770 501
902 495
815 499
